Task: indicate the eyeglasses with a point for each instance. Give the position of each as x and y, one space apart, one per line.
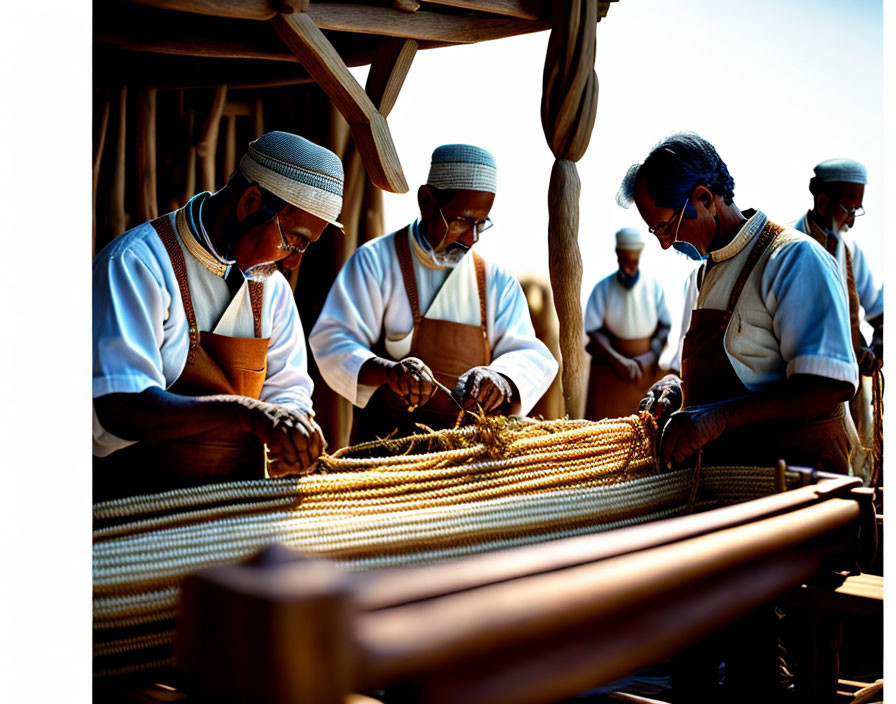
461 224
660 230
291 248
853 212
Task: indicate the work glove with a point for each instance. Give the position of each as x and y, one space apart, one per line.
293 438
413 381
690 429
481 386
662 399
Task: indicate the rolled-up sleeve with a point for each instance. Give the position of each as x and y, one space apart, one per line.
287 382
804 293
516 352
349 325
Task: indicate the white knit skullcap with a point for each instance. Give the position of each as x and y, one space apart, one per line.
841 171
300 172
629 238
463 167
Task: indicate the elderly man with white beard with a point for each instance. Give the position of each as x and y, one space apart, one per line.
199 356
416 307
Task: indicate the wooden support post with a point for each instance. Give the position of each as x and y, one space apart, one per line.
258 118
207 147
283 638
368 126
230 147
145 154
568 109
190 171
387 72
117 215
98 145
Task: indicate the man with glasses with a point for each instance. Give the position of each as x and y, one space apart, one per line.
199 357
416 326
837 189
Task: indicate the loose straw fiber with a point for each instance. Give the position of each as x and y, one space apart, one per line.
501 483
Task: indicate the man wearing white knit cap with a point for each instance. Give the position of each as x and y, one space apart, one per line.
416 307
627 323
199 357
838 188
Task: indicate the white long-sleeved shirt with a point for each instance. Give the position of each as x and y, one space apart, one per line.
140 330
368 299
629 314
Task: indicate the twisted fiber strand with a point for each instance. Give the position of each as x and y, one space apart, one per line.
272 488
167 560
127 645
673 491
111 552
164 663
546 465
167 611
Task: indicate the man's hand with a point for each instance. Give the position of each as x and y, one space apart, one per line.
868 361
626 369
412 380
294 439
662 399
689 430
483 387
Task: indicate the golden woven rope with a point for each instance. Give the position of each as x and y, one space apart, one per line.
436 496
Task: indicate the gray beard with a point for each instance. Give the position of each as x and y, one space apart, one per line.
260 272
448 259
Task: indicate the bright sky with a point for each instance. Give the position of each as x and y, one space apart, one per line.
775 86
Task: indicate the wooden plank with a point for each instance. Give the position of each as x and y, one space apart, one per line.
99 144
523 9
145 154
207 146
424 26
184 44
117 214
369 128
387 72
243 9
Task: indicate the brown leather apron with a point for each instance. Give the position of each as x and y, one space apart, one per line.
449 349
216 364
707 376
612 397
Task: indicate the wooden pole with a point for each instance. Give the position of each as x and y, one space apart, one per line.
117 215
145 154
230 147
190 171
207 147
258 117
568 109
99 144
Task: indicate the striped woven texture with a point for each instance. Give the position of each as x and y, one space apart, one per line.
501 483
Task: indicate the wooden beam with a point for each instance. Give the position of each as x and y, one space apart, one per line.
387 73
243 9
117 214
179 43
369 128
99 143
237 108
428 26
258 118
523 9
207 146
145 154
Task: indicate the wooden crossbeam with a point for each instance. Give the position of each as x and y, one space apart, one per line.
387 72
422 25
244 9
523 9
368 126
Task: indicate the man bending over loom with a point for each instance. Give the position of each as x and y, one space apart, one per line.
417 306
198 352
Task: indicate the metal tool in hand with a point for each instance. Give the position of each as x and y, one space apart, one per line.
439 385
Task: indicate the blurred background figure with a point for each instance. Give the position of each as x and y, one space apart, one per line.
627 323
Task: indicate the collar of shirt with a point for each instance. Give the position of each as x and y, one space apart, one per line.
745 235
193 210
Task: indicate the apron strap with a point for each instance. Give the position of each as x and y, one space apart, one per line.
769 233
165 232
479 263
256 296
403 249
